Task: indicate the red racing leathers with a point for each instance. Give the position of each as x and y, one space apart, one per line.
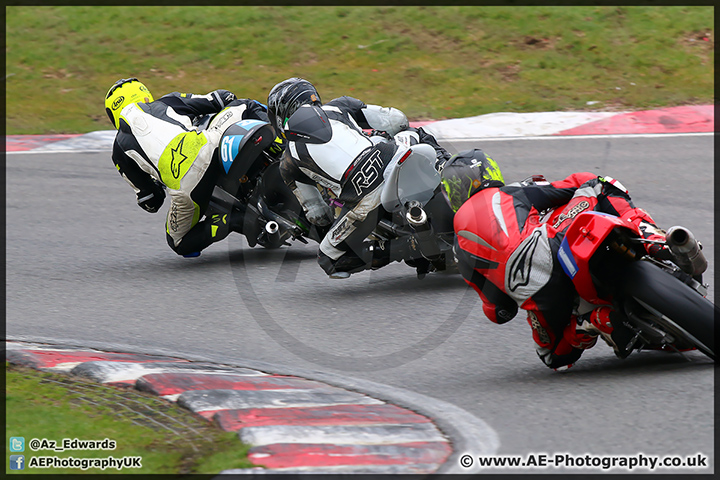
507 244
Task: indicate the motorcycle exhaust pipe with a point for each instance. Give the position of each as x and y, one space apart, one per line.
687 250
416 217
272 227
424 232
272 230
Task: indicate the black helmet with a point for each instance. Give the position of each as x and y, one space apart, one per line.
286 97
467 173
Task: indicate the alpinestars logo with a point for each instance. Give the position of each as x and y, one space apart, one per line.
521 266
177 159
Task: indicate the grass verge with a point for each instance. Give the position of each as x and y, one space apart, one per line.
169 439
431 62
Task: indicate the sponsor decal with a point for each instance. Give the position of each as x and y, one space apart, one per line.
535 324
118 102
339 229
223 119
173 217
572 213
504 314
567 262
298 135
325 182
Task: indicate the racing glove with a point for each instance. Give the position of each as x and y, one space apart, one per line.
316 210
319 214
277 147
226 96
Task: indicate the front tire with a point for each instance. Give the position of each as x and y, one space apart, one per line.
684 311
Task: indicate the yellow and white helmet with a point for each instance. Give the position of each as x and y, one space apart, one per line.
123 93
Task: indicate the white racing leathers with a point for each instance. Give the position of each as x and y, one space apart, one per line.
348 163
157 144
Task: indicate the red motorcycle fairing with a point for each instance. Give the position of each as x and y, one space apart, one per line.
581 241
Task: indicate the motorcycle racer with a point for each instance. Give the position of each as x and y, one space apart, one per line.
326 145
507 239
158 146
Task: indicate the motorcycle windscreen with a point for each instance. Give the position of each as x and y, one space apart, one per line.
413 178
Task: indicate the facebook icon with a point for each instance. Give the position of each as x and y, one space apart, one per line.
17 462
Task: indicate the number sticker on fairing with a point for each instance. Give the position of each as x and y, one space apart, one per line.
229 149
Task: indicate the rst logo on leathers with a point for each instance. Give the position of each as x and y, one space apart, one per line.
367 173
339 230
529 267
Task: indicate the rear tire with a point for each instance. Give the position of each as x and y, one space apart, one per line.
684 310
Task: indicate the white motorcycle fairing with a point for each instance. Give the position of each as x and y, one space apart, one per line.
410 176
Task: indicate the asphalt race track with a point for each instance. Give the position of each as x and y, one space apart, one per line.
85 265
